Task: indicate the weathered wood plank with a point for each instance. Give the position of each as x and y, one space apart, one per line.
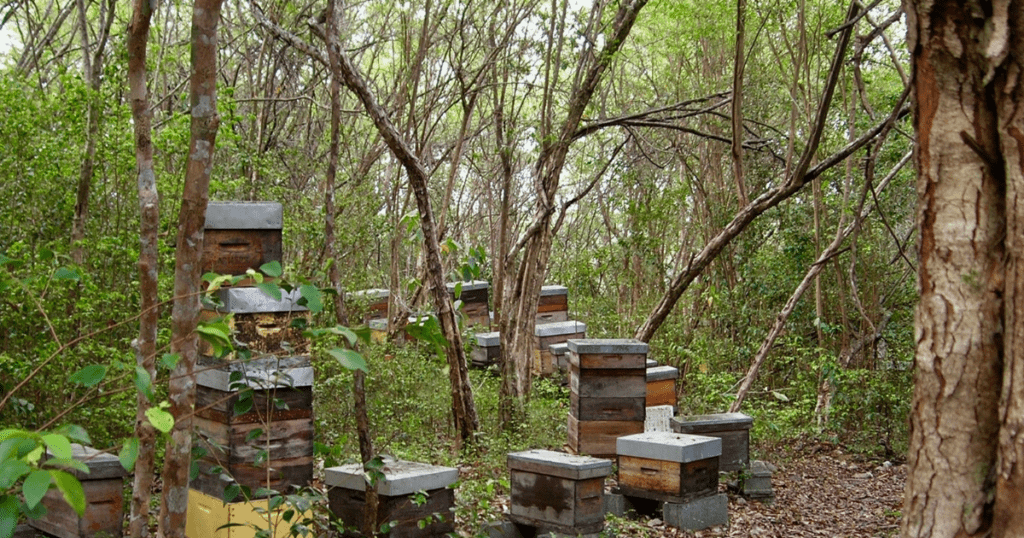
607 408
608 361
661 392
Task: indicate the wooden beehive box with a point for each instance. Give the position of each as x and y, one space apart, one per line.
210 517
474 297
397 497
560 356
558 332
608 390
241 235
557 492
669 467
732 428
258 321
661 385
553 304
104 509
487 350
373 303
282 411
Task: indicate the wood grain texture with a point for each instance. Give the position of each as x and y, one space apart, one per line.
347 505
232 252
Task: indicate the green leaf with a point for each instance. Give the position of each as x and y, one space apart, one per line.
35 487
458 290
72 490
45 254
314 299
59 445
8 515
348 359
63 273
67 464
272 269
169 360
144 383
243 405
780 396
75 433
129 453
89 376
5 261
231 491
253 434
11 471
160 419
270 290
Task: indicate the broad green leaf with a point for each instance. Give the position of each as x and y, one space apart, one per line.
314 299
231 491
8 515
66 464
45 254
59 445
272 269
129 453
270 290
144 383
89 376
169 360
349 334
75 433
160 419
458 290
349 359
72 490
216 332
63 273
254 433
780 396
257 277
11 471
35 487
243 405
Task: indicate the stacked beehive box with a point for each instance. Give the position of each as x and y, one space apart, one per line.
546 334
474 297
373 303
241 235
488 347
558 493
661 385
553 304
608 385
732 428
103 487
399 500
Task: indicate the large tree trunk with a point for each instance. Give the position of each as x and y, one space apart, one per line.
185 313
149 207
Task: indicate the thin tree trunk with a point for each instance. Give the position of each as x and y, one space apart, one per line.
191 219
737 104
149 207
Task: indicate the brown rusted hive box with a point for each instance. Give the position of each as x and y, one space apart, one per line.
474 297
399 497
259 322
104 507
373 303
668 467
553 304
732 428
661 385
557 332
487 349
608 389
557 492
232 449
241 235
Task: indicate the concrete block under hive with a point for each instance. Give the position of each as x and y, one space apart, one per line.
259 322
557 492
373 303
608 391
732 428
104 502
397 499
669 467
553 304
546 334
268 444
210 517
474 297
241 235
487 349
661 385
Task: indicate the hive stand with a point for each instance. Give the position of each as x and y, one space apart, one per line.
241 235
608 391
399 494
559 493
732 428
104 509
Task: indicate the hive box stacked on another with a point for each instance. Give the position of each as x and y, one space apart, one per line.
661 385
210 517
474 297
557 492
732 428
560 356
104 508
281 409
241 235
553 304
608 385
488 347
257 321
557 332
373 303
398 497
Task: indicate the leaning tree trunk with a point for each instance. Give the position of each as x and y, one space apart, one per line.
149 216
185 313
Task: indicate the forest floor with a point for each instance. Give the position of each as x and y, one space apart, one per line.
820 490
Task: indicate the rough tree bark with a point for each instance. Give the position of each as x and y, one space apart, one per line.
191 218
149 216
